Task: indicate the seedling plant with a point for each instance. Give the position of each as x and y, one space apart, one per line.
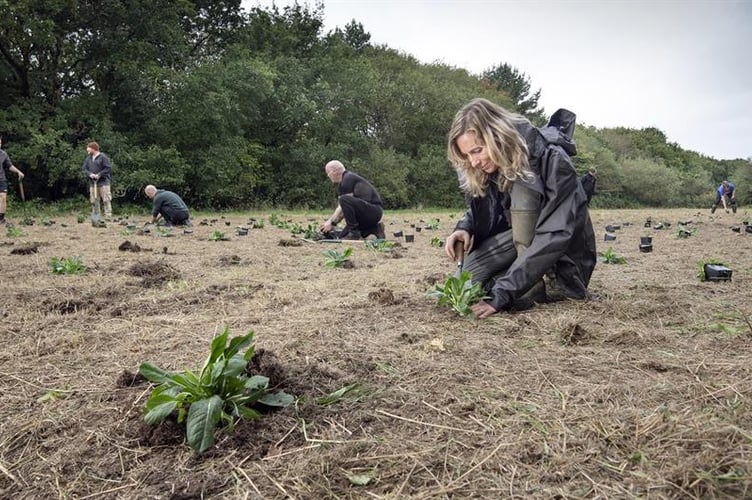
437 242
67 265
380 245
217 236
14 232
611 257
458 293
335 258
220 394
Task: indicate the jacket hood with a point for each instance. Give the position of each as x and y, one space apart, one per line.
558 131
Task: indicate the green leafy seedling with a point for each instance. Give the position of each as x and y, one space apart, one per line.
610 257
67 265
81 218
433 224
220 394
458 293
217 236
311 232
380 245
437 242
348 391
335 258
14 232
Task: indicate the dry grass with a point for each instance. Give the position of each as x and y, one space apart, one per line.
642 391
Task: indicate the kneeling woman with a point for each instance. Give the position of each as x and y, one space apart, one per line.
527 212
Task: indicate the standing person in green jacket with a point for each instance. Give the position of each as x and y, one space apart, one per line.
169 206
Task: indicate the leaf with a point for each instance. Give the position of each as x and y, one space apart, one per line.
237 343
257 382
279 399
235 366
153 373
203 417
359 479
49 396
217 347
338 395
247 413
158 407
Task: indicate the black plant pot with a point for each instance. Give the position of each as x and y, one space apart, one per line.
717 272
609 237
646 248
646 240
398 234
418 229
409 238
242 231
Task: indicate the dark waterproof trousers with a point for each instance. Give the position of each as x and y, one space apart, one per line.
174 217
730 202
360 215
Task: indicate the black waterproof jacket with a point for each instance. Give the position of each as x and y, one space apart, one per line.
564 240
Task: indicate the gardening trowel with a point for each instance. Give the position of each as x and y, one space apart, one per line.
459 255
20 188
95 217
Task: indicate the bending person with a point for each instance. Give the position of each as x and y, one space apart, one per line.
527 211
358 203
167 205
726 194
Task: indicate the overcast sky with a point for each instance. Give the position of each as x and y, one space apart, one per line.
683 66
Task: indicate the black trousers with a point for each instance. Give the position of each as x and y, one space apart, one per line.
173 216
730 202
360 214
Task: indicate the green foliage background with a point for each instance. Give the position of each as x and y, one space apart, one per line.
237 109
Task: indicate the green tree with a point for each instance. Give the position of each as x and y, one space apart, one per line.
506 78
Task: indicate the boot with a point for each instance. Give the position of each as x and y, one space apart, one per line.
353 235
524 216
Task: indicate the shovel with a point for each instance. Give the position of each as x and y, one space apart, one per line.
459 255
23 197
95 217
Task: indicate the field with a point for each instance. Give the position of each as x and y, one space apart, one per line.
645 390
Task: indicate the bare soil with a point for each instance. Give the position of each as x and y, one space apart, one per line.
645 390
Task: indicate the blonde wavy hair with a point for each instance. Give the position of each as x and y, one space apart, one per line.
494 127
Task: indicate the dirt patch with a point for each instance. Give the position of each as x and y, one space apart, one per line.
641 391
28 249
127 246
153 273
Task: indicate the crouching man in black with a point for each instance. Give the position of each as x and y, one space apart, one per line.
359 204
168 206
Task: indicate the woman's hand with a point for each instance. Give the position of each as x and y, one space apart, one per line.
482 309
462 235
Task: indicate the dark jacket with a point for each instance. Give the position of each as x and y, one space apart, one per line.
564 240
588 184
100 165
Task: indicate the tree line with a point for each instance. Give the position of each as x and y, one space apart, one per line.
240 109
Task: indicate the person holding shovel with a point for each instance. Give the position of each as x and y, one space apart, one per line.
5 163
358 203
527 213
169 206
726 194
98 169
